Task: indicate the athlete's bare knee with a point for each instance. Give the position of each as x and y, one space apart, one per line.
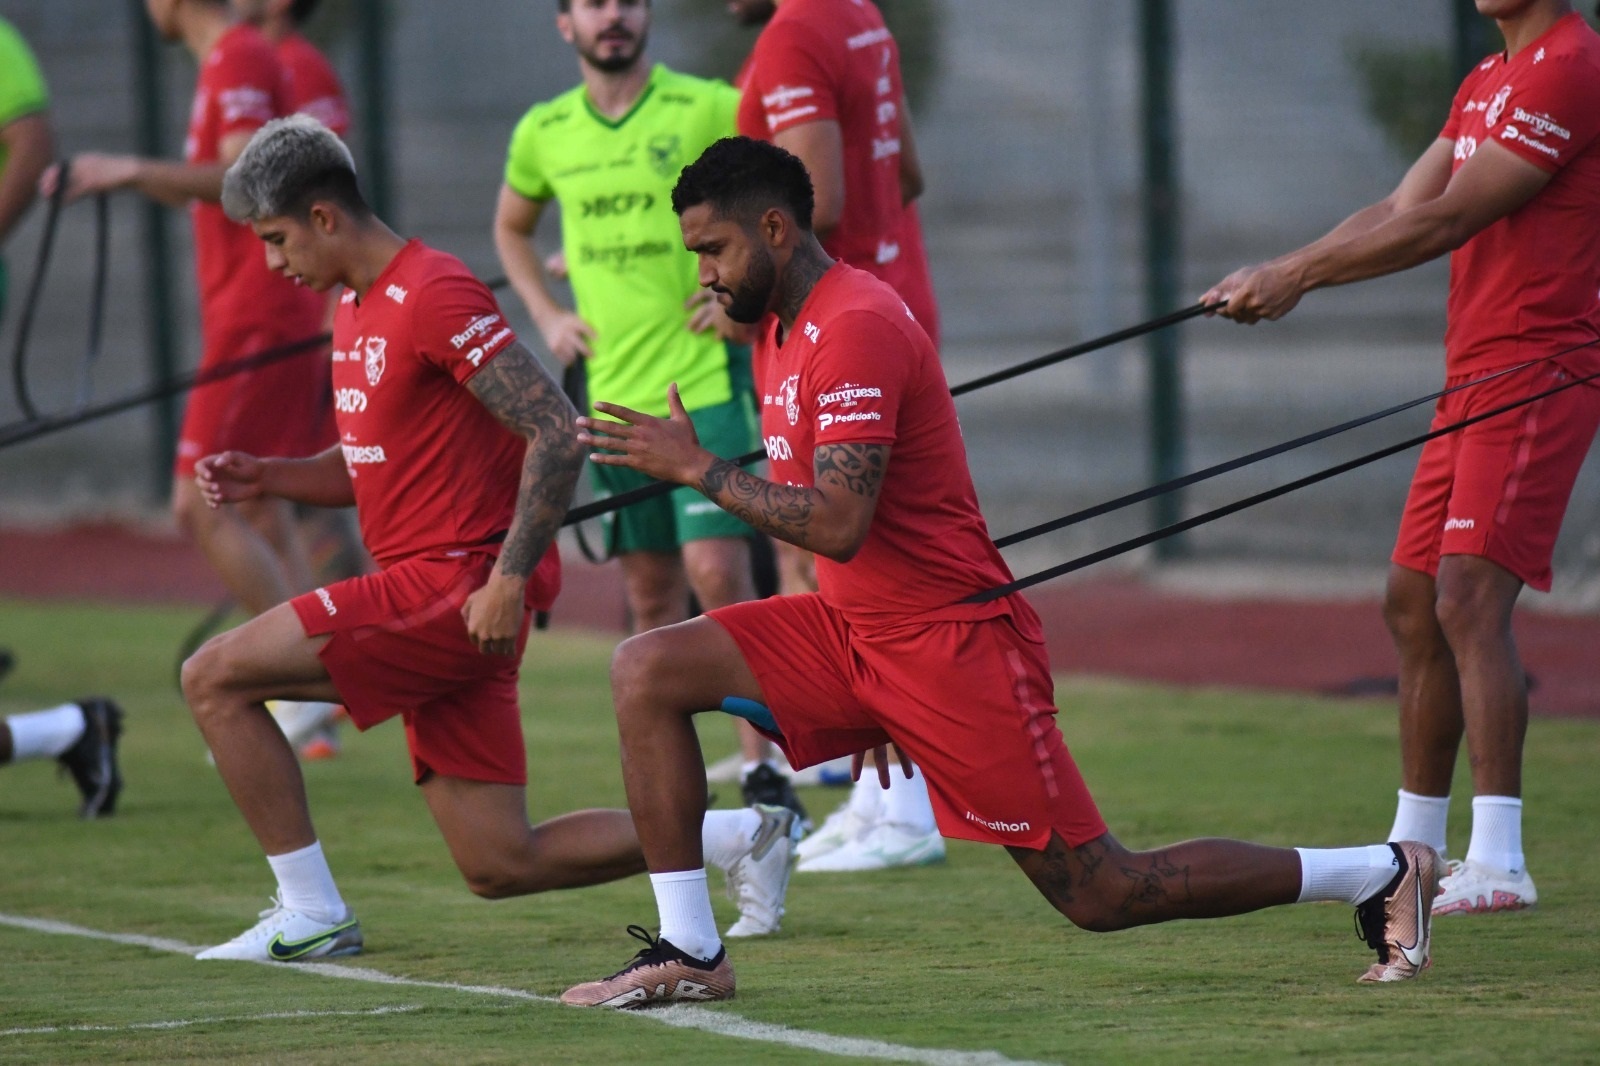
642 669
1411 620
206 678
494 881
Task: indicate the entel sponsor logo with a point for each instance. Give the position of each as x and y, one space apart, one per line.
350 401
848 394
867 39
1512 133
999 827
812 332
476 327
1458 523
348 297
246 101
824 421
394 292
774 121
327 602
1543 125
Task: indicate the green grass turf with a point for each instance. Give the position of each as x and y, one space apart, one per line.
961 957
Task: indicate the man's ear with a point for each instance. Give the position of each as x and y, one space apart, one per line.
323 218
774 227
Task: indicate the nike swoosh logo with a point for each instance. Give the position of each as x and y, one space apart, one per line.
284 950
1416 954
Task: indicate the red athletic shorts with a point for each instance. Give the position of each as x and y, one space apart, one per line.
1499 488
280 409
400 647
971 702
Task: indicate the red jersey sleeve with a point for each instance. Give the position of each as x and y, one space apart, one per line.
249 88
1452 122
1555 114
791 77
859 377
457 326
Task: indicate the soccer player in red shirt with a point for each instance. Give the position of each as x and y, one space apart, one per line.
1511 188
869 472
823 82
244 308
459 454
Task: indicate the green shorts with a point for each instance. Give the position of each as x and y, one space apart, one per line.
668 522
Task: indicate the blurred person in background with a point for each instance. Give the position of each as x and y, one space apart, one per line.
26 140
641 321
1511 189
245 309
823 83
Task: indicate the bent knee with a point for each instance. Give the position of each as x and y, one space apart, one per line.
494 882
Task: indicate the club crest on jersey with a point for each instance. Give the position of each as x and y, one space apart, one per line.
665 152
375 361
789 396
1497 107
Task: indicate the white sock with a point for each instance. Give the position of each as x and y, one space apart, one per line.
906 804
1497 833
1345 875
1421 818
725 836
866 796
305 884
45 734
684 903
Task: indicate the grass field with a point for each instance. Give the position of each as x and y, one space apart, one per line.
962 963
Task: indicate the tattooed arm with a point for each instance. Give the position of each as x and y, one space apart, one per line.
831 518
517 391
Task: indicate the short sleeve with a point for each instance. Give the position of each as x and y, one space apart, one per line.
457 326
22 88
1552 117
1452 122
859 378
248 86
524 172
791 78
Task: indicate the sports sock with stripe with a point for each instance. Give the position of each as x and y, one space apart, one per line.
1345 875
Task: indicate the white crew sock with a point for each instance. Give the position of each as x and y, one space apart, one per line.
305 884
684 904
906 805
726 835
866 796
1421 818
1497 833
1345 875
45 734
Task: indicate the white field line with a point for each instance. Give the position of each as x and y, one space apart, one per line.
183 1023
718 1023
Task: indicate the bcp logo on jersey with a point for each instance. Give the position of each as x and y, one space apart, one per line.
349 401
376 361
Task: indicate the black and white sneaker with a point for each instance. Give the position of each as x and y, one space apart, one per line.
92 761
766 787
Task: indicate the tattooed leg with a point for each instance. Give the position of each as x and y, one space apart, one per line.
1102 886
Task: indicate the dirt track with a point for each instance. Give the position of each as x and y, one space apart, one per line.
1115 627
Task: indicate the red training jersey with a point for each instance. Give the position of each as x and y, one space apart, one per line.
858 368
1529 285
240 89
314 88
432 469
820 60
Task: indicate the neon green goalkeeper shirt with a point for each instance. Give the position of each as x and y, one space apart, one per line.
630 272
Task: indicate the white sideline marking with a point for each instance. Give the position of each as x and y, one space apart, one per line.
717 1023
185 1022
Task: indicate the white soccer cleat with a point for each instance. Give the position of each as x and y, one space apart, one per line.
301 719
881 847
836 830
283 935
759 880
1473 888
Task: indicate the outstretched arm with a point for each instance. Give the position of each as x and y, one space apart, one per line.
831 518
1408 228
514 387
322 480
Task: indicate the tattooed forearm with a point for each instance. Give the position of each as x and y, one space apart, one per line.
782 511
518 392
847 475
